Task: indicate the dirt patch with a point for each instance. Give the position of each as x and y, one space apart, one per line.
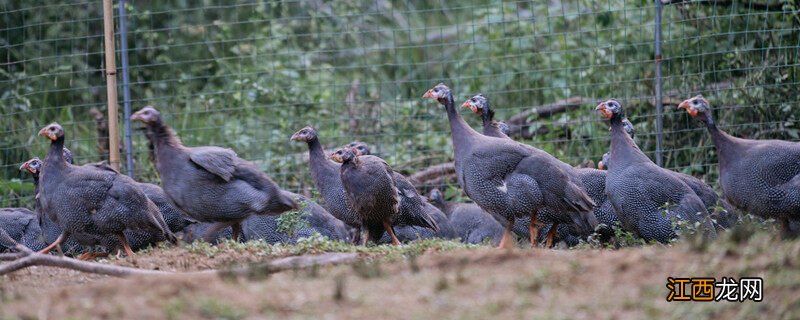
461 283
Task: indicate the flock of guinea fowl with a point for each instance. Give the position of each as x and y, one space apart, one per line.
525 190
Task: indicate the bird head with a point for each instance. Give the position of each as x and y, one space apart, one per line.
603 164
361 149
696 106
52 131
478 103
306 134
436 196
609 109
343 155
440 93
148 115
33 166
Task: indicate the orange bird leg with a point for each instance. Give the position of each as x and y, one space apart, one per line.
533 231
125 245
551 235
389 229
507 241
58 241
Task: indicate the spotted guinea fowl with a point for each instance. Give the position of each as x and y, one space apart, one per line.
326 177
471 223
415 211
22 226
592 179
211 184
761 177
499 173
371 190
313 217
646 197
91 202
724 218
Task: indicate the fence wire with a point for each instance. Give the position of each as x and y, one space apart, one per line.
247 74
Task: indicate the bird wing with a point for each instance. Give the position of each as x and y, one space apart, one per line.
413 207
219 161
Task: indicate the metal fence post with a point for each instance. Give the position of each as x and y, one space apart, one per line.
126 90
659 105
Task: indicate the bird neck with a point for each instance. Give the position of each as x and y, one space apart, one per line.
163 137
315 151
623 149
461 132
725 143
55 156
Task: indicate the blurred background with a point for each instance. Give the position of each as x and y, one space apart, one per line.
248 74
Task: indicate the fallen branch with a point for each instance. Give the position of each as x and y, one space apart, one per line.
521 122
289 263
775 6
433 172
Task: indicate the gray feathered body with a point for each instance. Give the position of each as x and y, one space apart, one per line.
212 184
370 188
327 179
646 197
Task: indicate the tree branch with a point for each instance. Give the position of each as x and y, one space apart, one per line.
774 6
520 123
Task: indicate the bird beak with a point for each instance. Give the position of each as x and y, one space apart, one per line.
601 165
689 109
295 136
137 116
469 105
24 166
428 94
45 133
603 109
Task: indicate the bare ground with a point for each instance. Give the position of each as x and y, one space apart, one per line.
421 282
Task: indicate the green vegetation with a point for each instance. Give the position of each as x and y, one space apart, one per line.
246 74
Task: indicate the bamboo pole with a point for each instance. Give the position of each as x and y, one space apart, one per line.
111 84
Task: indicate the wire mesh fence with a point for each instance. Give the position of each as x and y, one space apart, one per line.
247 74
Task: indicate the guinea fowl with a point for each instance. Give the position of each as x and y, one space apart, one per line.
646 197
91 202
22 226
592 179
761 177
326 177
415 211
211 184
272 230
371 190
471 223
512 179
724 218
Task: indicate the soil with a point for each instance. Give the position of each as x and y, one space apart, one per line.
465 283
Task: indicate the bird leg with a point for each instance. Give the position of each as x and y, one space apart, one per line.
390 230
214 229
364 236
237 231
534 231
125 245
551 235
58 241
507 241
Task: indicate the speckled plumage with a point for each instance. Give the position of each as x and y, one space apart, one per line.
89 202
471 223
211 184
761 177
371 189
22 226
326 177
593 180
261 227
639 189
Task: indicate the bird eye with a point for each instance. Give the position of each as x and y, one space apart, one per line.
694 101
473 100
52 129
435 89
